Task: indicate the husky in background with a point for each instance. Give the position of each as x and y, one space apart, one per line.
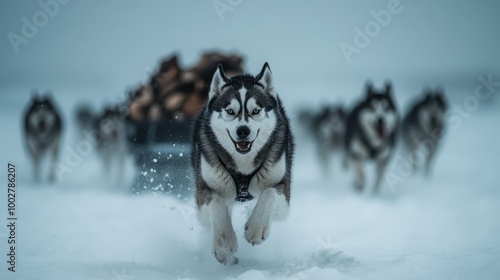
42 131
112 145
84 117
242 149
371 132
423 126
329 130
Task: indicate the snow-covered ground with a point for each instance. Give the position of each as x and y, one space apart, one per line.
83 227
444 227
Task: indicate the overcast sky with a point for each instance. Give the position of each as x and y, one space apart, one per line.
115 43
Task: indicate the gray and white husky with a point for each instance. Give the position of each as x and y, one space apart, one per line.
424 125
112 146
329 130
371 132
242 149
42 131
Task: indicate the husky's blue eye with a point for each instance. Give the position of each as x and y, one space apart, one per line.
255 111
230 111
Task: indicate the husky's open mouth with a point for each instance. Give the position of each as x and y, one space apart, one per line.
379 127
242 146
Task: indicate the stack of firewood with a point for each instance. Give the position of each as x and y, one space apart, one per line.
177 94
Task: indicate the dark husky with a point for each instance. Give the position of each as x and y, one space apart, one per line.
423 126
42 131
329 131
112 146
371 132
242 148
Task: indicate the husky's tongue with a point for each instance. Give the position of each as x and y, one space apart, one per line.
243 145
379 127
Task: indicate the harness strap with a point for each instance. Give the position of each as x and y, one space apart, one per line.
242 183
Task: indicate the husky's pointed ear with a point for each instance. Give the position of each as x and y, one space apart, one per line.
388 87
440 97
47 96
369 87
427 94
218 81
265 78
439 90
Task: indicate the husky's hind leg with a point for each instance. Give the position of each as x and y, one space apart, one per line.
428 161
36 166
214 214
360 176
54 154
381 166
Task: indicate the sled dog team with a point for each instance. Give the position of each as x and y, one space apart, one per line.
243 148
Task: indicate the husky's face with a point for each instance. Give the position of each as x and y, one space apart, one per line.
378 116
431 116
243 110
42 117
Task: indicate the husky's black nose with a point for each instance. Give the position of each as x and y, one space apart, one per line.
243 131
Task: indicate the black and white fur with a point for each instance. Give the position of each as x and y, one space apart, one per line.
371 132
242 149
112 145
42 131
424 125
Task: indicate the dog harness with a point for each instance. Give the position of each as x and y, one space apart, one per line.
242 183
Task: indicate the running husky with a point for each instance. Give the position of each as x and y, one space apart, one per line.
242 148
112 146
423 126
42 131
329 130
371 132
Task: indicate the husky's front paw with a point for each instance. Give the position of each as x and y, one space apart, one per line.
256 230
225 245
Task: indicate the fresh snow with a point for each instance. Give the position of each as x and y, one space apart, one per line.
444 227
